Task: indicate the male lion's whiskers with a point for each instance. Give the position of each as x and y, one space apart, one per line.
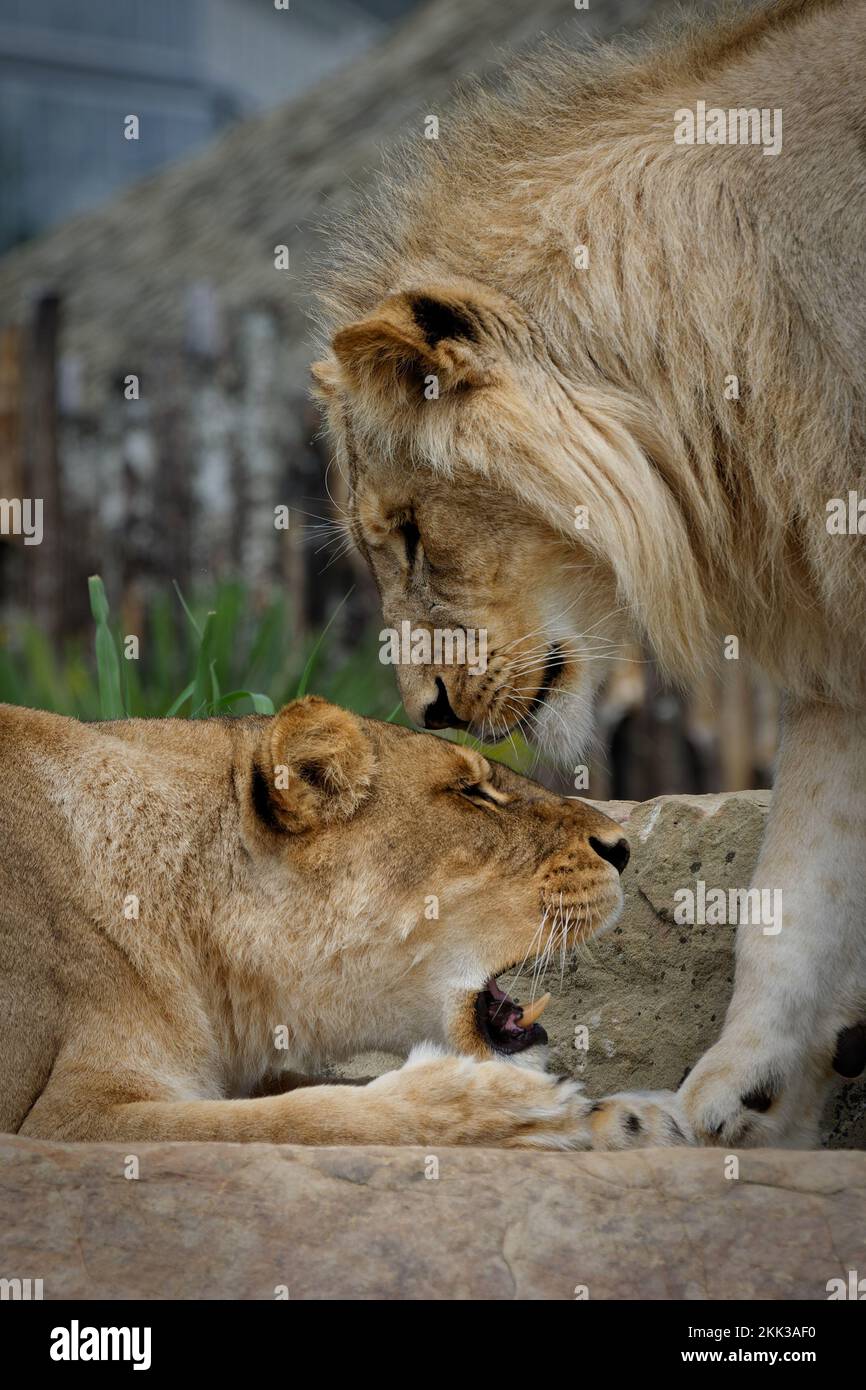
336 533
514 748
325 523
341 511
338 555
510 707
550 625
574 649
542 627
549 705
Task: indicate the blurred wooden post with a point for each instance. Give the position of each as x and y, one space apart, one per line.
260 405
623 694
45 562
766 705
11 480
176 467
213 506
79 445
142 528
735 729
702 728
112 500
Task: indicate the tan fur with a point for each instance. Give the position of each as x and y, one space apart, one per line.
481 389
282 870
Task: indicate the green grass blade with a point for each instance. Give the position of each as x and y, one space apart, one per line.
227 624
202 684
311 659
181 700
107 660
267 644
262 704
186 609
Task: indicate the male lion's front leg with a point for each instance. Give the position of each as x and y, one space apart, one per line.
800 984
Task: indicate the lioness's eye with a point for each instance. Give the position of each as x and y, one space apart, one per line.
485 794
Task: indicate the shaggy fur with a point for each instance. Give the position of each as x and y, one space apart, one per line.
704 261
481 387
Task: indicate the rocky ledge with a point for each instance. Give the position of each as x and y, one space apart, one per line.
221 1221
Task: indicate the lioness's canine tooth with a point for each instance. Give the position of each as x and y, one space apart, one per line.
533 1012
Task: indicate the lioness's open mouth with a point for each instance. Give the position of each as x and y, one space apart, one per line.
503 1024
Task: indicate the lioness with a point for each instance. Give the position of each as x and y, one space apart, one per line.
194 917
591 376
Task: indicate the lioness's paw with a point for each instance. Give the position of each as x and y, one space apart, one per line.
439 1098
639 1120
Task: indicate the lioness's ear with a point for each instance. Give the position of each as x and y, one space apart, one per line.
411 337
314 766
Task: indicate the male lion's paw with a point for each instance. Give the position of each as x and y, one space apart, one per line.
639 1120
738 1096
440 1098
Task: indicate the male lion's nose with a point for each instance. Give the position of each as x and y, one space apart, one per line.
439 714
617 853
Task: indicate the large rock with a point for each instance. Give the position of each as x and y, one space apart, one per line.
652 995
222 1221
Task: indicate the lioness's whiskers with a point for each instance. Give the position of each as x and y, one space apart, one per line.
530 950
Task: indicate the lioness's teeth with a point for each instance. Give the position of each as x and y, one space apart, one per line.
533 1012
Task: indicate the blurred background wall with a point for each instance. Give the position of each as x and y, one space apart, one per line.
165 168
70 73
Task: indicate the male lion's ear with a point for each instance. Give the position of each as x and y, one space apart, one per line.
314 766
326 379
411 337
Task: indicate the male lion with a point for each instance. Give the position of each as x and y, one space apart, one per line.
588 381
194 917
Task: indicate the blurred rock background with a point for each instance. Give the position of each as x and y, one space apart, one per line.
156 259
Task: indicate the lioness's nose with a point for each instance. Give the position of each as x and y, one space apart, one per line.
439 714
615 852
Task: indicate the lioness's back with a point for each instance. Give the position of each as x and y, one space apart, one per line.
33 934
88 814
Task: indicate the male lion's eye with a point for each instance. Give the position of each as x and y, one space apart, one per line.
411 539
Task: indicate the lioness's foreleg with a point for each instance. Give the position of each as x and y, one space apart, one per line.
800 988
435 1098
